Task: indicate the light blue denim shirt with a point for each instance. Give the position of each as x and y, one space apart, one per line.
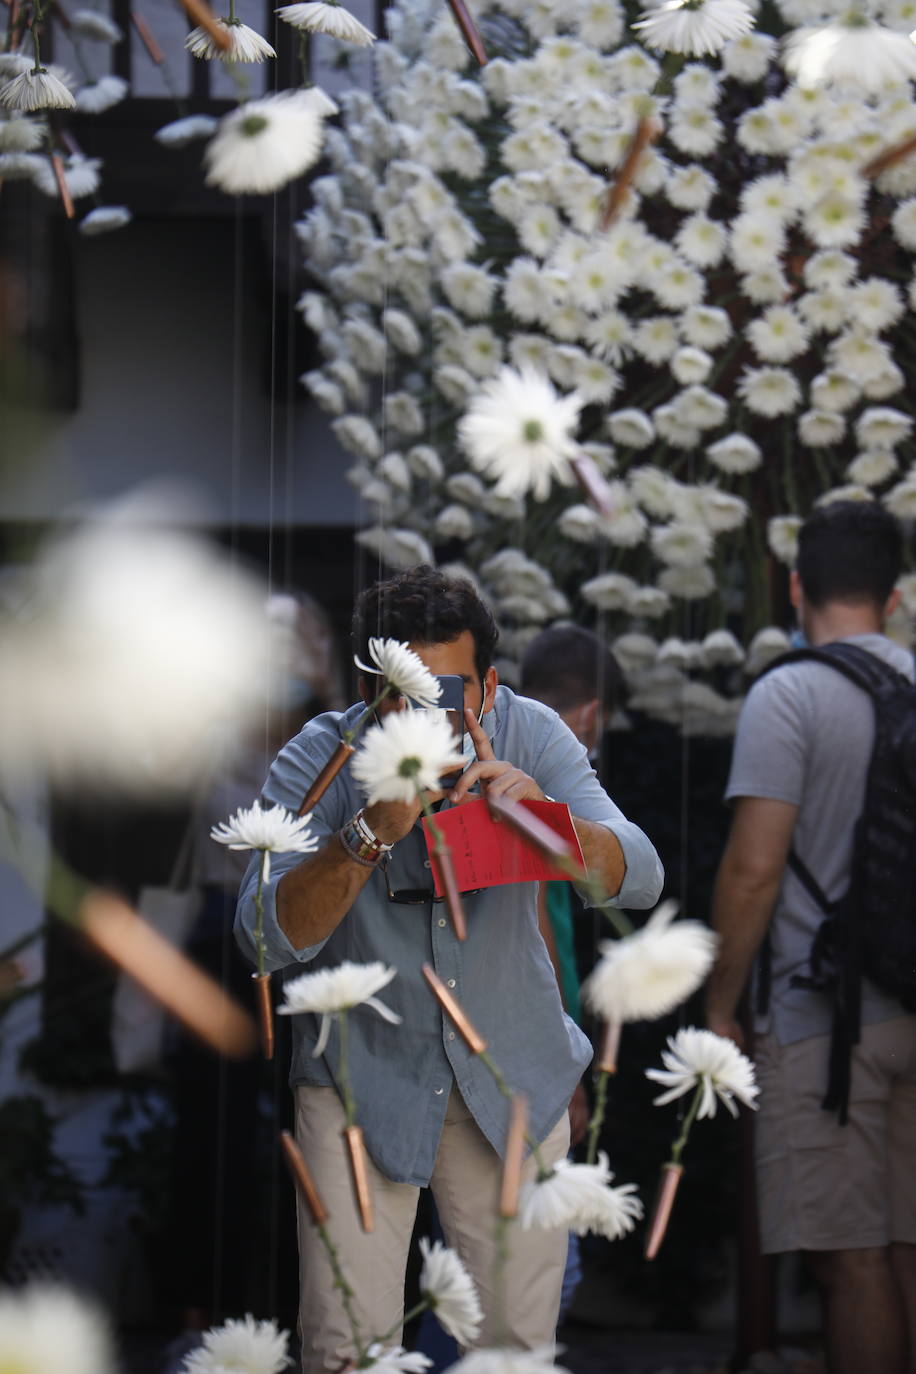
501 974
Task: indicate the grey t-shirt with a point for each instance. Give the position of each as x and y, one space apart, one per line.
805 736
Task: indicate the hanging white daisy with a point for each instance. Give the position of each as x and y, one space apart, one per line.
395 1360
691 365
46 1329
518 430
706 326
36 89
609 591
769 391
406 674
399 548
699 408
747 59
20 135
271 830
883 427
681 545
95 24
330 18
579 1198
263 144
687 584
821 428
782 537
450 1292
101 95
104 219
694 27
829 269
245 45
699 1058
872 469
736 453
81 175
824 310
702 240
509 1360
836 220
645 975
901 499
860 354
358 436
885 382
832 390
721 650
330 991
406 754
778 335
631 428
257 1347
853 51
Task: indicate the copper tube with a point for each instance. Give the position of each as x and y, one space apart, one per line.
61 178
442 858
359 1173
590 479
265 1013
146 37
166 974
661 1212
889 158
536 832
646 132
201 14
335 763
515 1150
302 1178
469 31
472 1038
610 1043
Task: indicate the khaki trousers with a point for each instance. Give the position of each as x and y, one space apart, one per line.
465 1184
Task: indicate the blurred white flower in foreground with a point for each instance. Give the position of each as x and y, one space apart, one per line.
94 24
649 973
315 17
247 1346
104 218
245 44
49 1330
137 655
852 50
36 90
578 1197
450 1291
330 991
509 1361
694 27
263 144
700 1057
272 830
403 671
395 1360
408 752
179 132
519 431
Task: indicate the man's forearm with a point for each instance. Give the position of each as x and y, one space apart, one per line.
315 896
602 854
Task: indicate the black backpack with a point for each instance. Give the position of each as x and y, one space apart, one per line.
871 928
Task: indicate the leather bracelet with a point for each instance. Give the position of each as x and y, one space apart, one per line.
355 848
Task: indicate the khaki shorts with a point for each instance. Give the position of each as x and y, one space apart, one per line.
822 1186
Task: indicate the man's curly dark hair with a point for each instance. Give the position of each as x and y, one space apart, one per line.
423 606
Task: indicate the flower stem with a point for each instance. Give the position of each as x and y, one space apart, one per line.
357 729
343 1071
500 1260
346 1292
424 1305
508 1094
597 1117
305 60
621 923
259 940
677 1149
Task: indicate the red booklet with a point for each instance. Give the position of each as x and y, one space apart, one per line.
487 852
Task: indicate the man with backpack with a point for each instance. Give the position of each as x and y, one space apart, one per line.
818 884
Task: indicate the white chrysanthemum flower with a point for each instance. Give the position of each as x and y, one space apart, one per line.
833 390
656 338
36 90
402 413
14 64
46 1329
826 309
518 430
860 354
401 331
882 427
94 24
695 131
610 335
747 59
821 428
645 975
906 585
766 644
699 408
127 655
404 672
690 188
396 1360
82 175
654 489
706 326
769 391
903 222
104 219
765 286
631 428
782 537
699 1057
850 492
756 242
691 365
672 427
609 591
682 545
852 51
453 522
245 45
702 240
677 286
101 95
875 303
450 1291
694 27
399 548
771 195
264 144
272 830
901 499
778 335
330 991
835 221
424 462
329 18
255 1347
579 1198
721 511
736 453
180 132
509 1360
579 523
829 270
20 135
687 584
407 753
469 289
636 652
358 436
722 650
872 469
885 382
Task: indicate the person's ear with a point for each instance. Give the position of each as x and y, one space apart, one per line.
892 602
490 684
588 722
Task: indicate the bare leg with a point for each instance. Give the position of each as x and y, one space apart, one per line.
903 1263
864 1318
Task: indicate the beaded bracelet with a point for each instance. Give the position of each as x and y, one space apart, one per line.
360 843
